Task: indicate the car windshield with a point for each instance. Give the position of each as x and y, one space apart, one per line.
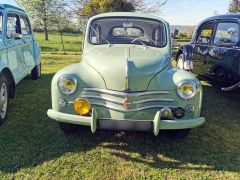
127 31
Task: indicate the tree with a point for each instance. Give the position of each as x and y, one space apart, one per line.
234 6
101 6
44 12
175 33
92 7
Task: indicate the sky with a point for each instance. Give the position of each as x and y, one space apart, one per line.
191 12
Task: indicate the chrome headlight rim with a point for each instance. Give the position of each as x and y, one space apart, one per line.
61 86
194 85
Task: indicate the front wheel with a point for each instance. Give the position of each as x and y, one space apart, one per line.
180 62
36 72
178 134
4 99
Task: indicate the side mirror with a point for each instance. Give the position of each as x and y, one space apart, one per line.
18 36
14 36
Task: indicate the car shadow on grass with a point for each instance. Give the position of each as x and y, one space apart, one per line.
29 138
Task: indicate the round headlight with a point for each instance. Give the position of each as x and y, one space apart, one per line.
82 106
67 84
187 89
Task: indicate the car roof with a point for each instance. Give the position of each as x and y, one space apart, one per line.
223 17
4 5
128 14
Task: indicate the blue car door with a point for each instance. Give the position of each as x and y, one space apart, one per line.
27 47
14 43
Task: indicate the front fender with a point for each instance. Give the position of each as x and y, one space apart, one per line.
187 51
169 80
86 77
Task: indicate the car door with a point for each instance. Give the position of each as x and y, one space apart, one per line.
201 46
224 57
27 47
13 42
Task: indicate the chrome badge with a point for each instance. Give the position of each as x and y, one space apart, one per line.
126 103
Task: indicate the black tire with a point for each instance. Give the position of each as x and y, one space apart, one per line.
178 134
36 72
4 99
68 128
180 57
221 75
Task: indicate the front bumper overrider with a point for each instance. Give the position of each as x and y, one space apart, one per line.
154 125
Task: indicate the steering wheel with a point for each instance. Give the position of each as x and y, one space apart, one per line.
143 38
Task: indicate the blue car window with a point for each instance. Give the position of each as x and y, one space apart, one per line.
25 27
13 25
227 34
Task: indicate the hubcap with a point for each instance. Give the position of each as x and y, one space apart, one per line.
3 100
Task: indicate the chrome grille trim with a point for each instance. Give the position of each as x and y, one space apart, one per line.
133 102
133 109
124 94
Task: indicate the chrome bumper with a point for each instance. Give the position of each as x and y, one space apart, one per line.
155 125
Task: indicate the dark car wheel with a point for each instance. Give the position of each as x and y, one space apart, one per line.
68 128
178 134
36 72
4 99
180 62
221 74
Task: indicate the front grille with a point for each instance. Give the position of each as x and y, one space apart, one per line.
138 101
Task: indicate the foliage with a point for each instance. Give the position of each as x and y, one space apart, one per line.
101 6
44 12
234 6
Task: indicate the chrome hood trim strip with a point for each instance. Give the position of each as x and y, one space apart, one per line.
120 102
124 94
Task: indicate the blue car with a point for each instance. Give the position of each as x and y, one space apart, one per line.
19 53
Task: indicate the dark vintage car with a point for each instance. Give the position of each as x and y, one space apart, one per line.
214 50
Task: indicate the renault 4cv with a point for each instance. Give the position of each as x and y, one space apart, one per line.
125 80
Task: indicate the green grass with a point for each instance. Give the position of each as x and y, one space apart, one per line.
33 147
72 42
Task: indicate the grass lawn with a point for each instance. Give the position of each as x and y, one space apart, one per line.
32 146
72 42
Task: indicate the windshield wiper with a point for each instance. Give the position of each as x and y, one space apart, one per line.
101 36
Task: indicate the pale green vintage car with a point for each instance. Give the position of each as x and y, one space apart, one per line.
125 80
19 52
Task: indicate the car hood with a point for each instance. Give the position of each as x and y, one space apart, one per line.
127 68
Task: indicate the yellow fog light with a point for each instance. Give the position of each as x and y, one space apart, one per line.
82 106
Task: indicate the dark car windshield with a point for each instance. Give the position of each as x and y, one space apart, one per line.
128 31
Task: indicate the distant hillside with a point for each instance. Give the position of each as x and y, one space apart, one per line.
181 28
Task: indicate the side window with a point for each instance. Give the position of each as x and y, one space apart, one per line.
13 25
25 26
227 34
205 33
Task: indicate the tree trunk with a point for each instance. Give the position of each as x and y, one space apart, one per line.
61 34
45 30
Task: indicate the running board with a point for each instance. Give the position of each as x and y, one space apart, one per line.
231 87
